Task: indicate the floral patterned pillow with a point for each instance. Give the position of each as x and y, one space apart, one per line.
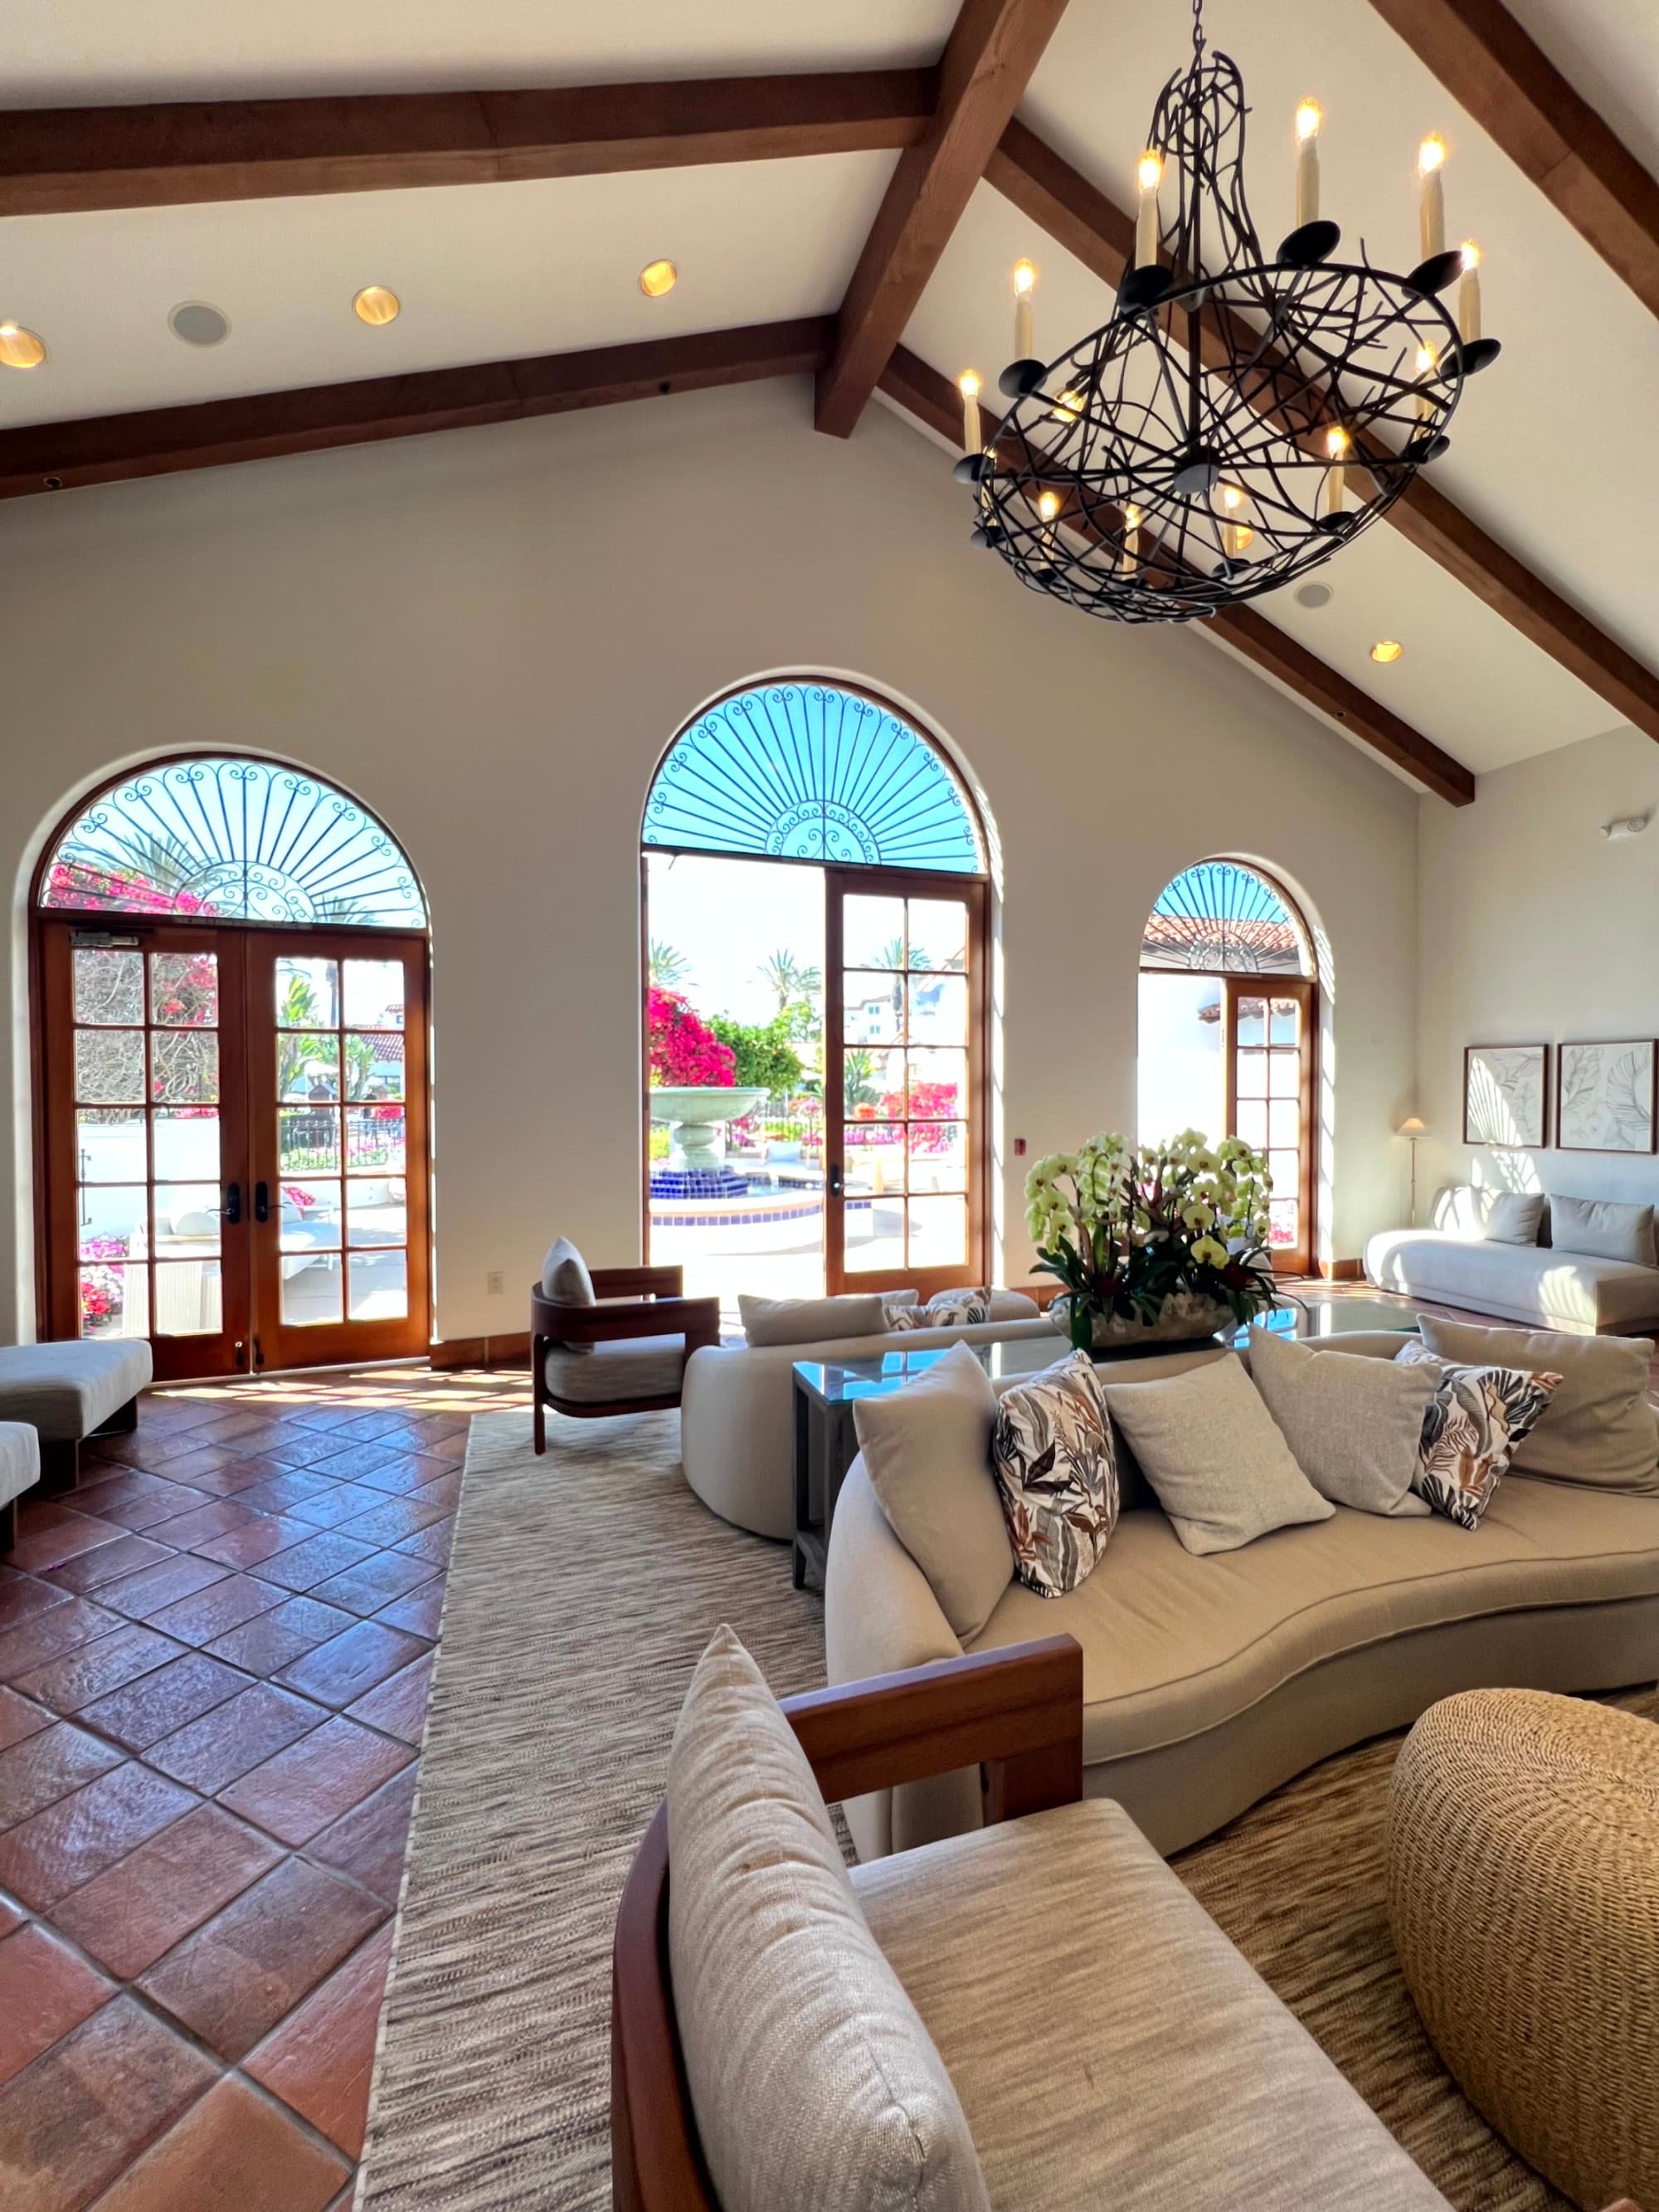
948 1309
1056 1471
1477 1420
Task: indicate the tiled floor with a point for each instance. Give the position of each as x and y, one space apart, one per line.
214 1662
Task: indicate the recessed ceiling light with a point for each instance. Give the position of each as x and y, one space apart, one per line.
1313 595
197 324
657 278
1387 649
377 307
20 348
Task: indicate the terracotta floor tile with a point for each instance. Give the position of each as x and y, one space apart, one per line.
300 1447
445 1491
21 1716
302 1789
198 1463
54 1852
21 1596
113 1485
123 1556
321 2059
160 1703
282 1489
11 1916
420 1613
233 1426
84 2109
152 1589
261 1535
192 1531
372 1428
234 1979
409 1471
49 1547
216 1611
432 1543
349 1664
232 2150
357 1462
147 1902
47 1765
45 1990
145 1512
375 1582
343 1501
370 1842
45 1633
397 1705
392 1519
234 1737
272 1640
93 1669
314 1561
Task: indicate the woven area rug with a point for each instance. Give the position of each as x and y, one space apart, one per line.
582 1587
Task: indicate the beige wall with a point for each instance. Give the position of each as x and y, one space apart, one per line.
1536 929
491 635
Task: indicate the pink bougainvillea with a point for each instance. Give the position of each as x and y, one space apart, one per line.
685 1052
74 882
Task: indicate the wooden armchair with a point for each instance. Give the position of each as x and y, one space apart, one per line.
1017 1713
625 1353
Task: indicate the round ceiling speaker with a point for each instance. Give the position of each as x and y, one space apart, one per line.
197 324
1313 595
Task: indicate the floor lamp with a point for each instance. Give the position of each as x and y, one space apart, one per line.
1412 1129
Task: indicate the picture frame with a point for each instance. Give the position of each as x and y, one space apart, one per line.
1506 1096
1607 1095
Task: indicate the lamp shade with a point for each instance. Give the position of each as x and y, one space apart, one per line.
1411 1126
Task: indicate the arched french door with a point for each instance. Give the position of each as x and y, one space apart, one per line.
1229 1032
817 904
230 971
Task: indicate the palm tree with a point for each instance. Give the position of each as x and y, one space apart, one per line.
788 977
665 965
891 955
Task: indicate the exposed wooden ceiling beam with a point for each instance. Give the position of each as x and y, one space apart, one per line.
163 441
1521 102
933 400
1046 188
991 51
59 160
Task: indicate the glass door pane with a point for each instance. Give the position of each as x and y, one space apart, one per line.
1270 1047
902 1194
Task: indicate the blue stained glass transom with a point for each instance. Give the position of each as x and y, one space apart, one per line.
809 772
233 841
1223 916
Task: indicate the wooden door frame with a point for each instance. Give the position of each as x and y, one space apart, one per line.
1268 988
908 883
50 1167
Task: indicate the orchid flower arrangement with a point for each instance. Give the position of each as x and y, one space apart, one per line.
1124 1228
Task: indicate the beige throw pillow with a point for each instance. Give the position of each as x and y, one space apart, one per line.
927 1451
812 1320
1602 1229
1515 1217
813 2080
1599 1427
1353 1424
1210 1449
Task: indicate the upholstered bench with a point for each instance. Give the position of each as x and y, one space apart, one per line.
68 1391
20 1470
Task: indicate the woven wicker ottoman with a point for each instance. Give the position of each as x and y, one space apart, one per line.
1523 1896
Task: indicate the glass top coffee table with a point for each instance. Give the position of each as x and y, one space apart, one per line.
826 1392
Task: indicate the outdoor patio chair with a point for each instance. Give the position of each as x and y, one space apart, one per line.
615 1340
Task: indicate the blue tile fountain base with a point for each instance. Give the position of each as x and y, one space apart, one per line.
698 1182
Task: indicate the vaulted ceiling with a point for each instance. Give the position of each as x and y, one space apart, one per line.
1521 577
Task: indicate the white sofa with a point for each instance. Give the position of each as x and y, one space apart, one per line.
737 1410
1455 1263
1209 1681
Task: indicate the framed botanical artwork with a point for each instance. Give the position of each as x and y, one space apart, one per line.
1604 1097
1505 1095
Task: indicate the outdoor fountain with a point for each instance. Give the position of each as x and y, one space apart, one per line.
695 1167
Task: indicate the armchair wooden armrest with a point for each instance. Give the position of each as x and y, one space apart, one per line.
698 1320
1017 1711
638 1282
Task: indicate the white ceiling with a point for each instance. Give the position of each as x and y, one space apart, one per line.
1552 449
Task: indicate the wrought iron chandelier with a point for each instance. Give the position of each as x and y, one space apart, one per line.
1238 420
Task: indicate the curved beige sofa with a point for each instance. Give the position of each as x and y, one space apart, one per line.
738 1409
1209 1681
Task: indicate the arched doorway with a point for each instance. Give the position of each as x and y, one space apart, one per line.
230 990
1229 1029
816 901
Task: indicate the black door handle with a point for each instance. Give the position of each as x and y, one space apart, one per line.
233 1205
835 1182
262 1201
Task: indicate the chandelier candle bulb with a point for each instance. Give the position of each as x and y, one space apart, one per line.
1428 364
1468 295
1431 203
967 385
1024 285
1149 175
1309 117
1333 492
1131 522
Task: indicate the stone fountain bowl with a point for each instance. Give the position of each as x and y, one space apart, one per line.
696 1113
